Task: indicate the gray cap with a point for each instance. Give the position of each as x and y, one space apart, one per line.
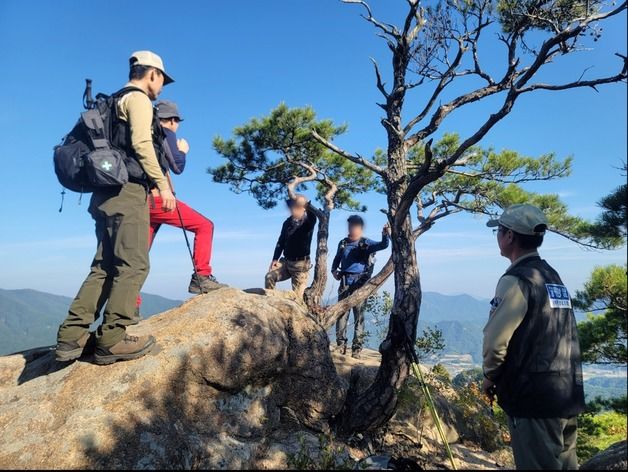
167 109
522 219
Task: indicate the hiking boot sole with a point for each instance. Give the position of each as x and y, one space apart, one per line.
67 356
198 291
110 359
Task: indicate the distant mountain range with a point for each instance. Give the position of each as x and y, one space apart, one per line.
29 318
461 319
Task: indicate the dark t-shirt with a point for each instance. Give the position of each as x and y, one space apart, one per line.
296 237
179 156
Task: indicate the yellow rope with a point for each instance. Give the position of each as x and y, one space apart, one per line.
432 408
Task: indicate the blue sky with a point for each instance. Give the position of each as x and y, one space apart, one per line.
236 60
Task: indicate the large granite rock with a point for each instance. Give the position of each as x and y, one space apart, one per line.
613 458
231 369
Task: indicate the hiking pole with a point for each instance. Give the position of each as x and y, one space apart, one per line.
88 100
185 235
187 243
430 401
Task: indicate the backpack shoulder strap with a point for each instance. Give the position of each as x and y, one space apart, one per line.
113 99
363 244
127 89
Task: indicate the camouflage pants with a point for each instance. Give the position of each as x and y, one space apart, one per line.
297 271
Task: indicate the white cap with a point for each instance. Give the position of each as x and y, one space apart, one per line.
150 59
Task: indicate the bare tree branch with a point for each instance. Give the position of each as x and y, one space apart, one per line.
413 16
548 50
329 315
298 180
561 37
380 85
476 60
354 158
386 28
445 80
434 216
621 76
492 120
444 110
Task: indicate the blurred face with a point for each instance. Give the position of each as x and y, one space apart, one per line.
297 208
154 83
355 231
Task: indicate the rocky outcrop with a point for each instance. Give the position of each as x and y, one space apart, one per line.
613 458
475 438
240 380
232 369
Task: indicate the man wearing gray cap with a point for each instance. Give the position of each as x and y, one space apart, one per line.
169 117
185 217
121 264
531 350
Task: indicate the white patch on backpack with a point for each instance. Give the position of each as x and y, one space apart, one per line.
558 296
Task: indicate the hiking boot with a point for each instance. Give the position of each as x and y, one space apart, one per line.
131 347
204 284
342 348
72 350
356 353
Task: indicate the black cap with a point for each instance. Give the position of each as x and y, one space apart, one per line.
355 220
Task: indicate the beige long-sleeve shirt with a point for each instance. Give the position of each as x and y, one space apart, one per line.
137 110
508 309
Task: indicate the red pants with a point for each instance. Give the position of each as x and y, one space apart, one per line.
193 221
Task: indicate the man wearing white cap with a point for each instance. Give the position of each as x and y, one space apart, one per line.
531 351
121 264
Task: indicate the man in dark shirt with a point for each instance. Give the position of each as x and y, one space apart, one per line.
169 118
294 242
353 266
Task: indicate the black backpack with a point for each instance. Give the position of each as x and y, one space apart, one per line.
86 160
367 259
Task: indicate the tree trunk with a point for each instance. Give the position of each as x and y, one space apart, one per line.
314 293
373 407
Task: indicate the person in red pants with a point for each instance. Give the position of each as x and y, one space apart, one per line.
190 220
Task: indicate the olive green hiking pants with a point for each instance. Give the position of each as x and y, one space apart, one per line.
544 443
119 268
